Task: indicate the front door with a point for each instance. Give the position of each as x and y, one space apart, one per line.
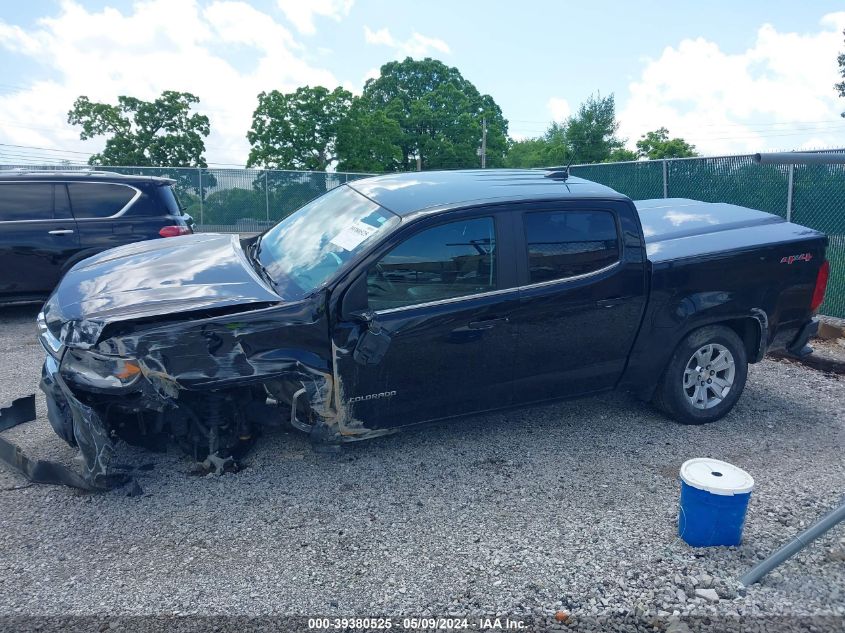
582 296
439 297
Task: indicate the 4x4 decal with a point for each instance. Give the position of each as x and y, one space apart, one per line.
803 257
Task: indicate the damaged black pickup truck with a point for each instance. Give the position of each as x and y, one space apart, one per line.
402 299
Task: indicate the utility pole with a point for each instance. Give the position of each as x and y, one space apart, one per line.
484 143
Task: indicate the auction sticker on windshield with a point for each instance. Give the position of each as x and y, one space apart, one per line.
350 237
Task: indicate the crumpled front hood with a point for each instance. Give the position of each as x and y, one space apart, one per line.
159 277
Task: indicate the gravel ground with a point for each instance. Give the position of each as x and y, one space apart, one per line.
567 507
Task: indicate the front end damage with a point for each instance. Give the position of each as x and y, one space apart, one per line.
208 382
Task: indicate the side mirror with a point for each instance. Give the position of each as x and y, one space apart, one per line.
367 317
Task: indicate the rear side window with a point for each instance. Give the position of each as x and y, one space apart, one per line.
98 200
565 244
169 200
31 201
443 262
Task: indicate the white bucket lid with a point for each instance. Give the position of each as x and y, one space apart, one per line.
716 476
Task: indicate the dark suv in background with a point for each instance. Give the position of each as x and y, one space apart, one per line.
50 220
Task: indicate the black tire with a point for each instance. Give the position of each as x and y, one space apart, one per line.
674 399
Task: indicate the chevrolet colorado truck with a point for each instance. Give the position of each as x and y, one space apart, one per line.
402 299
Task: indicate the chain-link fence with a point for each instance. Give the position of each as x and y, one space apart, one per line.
233 200
812 195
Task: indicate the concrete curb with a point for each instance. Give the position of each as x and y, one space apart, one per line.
831 328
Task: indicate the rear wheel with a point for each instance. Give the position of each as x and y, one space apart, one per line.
704 377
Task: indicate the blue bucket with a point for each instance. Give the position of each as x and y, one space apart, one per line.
714 498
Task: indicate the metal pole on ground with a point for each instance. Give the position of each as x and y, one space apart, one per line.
831 519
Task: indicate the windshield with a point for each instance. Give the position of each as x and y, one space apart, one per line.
305 249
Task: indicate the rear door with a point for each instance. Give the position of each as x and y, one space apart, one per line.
38 237
102 210
444 296
581 299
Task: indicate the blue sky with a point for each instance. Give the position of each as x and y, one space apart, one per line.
731 77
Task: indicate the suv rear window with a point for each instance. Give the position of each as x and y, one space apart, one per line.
168 198
98 200
565 244
30 201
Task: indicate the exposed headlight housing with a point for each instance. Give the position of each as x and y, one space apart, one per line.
96 371
51 343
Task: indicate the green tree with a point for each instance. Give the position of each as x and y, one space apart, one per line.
526 153
657 144
622 154
297 130
439 116
591 132
587 137
162 132
368 141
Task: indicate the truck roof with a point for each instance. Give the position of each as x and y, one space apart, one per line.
409 192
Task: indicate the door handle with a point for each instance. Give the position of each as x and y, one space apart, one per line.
610 303
487 324
61 232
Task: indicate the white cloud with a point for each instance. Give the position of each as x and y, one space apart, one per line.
415 46
382 36
301 12
157 45
776 94
559 108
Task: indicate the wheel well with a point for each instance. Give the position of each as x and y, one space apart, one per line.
748 330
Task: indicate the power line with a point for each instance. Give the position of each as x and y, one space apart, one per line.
47 149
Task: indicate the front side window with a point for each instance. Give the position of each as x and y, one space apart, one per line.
26 201
94 200
565 244
443 262
315 242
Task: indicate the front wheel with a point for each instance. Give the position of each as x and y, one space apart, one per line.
704 377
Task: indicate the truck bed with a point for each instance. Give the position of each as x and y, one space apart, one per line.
679 228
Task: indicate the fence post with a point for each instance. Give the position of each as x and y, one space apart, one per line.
266 196
789 193
665 180
199 173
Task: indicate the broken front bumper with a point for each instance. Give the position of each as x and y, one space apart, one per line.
79 425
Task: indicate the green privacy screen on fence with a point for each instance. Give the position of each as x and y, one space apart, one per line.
817 196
